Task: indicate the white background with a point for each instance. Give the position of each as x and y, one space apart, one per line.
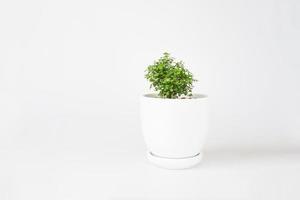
71 73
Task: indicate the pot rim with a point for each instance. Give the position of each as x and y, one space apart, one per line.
195 96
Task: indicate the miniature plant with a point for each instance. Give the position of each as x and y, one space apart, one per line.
170 78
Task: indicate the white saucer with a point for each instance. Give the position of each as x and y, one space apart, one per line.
174 163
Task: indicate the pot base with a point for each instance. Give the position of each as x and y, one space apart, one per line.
174 163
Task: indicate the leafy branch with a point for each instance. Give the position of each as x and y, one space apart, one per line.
170 78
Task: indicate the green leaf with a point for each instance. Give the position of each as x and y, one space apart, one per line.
169 78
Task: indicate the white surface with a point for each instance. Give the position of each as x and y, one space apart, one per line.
71 73
174 128
61 174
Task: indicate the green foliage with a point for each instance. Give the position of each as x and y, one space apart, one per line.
170 78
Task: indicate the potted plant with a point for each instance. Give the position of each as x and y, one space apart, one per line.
174 120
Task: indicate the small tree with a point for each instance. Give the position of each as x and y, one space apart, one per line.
169 78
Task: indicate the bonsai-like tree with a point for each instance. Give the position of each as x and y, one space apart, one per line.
170 78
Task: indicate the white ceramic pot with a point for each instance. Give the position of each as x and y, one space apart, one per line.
174 129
